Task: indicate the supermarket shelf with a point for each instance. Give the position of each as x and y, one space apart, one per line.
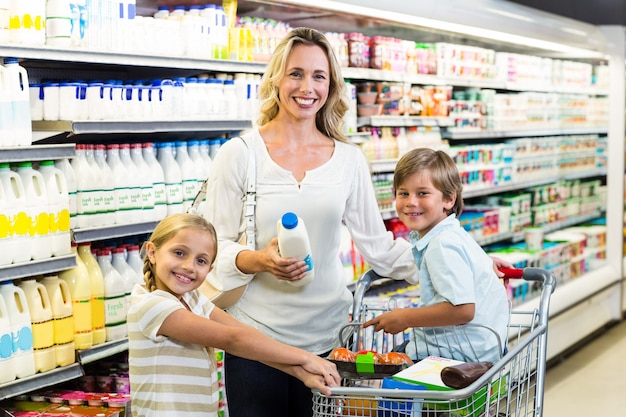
45 52
492 134
102 351
79 127
65 373
404 121
42 380
110 232
36 153
39 267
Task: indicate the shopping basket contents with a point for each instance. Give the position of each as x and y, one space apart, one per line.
368 364
437 385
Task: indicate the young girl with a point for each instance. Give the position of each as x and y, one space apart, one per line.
457 281
172 329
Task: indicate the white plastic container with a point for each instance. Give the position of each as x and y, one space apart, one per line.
79 282
128 274
36 102
104 213
158 180
173 178
17 82
147 186
59 208
63 316
17 211
51 101
7 360
58 23
86 190
125 211
135 182
188 171
293 242
97 292
109 206
134 260
70 101
7 124
37 209
21 330
8 248
28 22
70 177
114 298
42 323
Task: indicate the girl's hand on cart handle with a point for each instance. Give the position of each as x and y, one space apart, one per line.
319 373
499 265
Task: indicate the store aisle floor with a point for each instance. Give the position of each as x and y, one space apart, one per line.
591 381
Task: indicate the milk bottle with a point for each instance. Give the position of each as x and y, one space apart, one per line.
27 24
63 319
79 282
17 213
205 154
173 178
59 208
158 180
7 361
38 209
147 187
21 330
134 260
293 242
7 125
108 191
17 81
70 178
114 298
125 212
86 190
188 171
126 272
7 243
42 323
136 201
97 292
102 187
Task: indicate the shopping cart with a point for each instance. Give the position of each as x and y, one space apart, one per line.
512 387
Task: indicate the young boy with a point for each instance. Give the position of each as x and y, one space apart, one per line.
458 284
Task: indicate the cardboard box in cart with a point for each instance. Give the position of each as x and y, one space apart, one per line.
427 372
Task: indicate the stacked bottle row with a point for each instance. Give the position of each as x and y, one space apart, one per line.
193 98
44 320
35 212
133 183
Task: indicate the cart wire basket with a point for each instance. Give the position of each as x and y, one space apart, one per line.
512 387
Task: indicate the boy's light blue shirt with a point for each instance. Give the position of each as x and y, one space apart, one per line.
454 268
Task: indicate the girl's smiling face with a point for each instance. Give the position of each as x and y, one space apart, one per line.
183 262
303 90
419 204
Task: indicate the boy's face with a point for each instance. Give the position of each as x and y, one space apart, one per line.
183 262
419 204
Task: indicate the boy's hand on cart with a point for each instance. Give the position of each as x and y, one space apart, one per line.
393 321
500 264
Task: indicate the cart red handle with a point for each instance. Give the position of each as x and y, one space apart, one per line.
511 272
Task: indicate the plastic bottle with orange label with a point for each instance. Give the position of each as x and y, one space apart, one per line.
63 315
97 292
42 323
79 282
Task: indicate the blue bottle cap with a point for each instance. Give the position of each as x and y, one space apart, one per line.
289 220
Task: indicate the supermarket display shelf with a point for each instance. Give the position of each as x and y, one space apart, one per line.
39 267
45 52
493 134
64 373
78 127
37 152
111 232
404 121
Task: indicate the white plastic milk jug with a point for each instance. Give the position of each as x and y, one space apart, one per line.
114 298
293 242
7 361
42 323
17 81
59 208
21 328
17 213
8 248
38 209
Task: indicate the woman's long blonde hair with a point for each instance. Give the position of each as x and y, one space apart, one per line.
329 120
164 231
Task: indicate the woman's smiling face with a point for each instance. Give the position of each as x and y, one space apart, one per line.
183 262
303 90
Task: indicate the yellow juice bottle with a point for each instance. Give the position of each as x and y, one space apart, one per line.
97 292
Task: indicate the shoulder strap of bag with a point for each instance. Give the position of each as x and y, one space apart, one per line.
250 196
